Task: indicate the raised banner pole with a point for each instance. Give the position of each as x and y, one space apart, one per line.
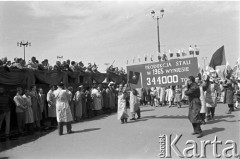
141 79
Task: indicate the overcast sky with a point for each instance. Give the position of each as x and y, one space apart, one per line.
104 31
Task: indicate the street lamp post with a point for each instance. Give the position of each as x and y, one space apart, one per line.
24 45
157 18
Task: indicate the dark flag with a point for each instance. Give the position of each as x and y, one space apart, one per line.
171 54
133 77
145 57
218 58
159 58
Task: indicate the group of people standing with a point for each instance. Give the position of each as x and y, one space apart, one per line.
63 106
30 109
201 94
160 96
34 109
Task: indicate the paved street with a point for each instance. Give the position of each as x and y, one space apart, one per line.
104 137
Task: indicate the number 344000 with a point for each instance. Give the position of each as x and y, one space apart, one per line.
162 80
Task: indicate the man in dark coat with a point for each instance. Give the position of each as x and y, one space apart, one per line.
193 92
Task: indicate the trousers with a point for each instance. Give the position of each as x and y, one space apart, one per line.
197 127
7 117
60 127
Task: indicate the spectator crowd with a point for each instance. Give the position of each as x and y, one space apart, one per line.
67 65
36 111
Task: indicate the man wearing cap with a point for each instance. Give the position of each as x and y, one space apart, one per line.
63 111
5 110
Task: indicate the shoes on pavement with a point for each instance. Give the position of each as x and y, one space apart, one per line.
71 132
133 119
195 133
228 112
200 135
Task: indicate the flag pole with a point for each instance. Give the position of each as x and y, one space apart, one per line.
141 79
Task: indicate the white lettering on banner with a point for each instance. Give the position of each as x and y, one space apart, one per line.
158 71
180 63
182 69
162 80
159 65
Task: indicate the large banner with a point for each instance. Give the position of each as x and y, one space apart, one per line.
172 72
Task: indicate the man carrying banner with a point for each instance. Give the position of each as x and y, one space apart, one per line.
193 92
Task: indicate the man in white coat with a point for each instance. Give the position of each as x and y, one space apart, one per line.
64 115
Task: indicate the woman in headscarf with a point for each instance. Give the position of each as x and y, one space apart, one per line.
178 95
28 112
122 108
77 99
134 104
211 98
37 115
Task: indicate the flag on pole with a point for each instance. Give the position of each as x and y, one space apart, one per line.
133 59
139 59
191 51
145 56
196 50
178 53
218 58
151 57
